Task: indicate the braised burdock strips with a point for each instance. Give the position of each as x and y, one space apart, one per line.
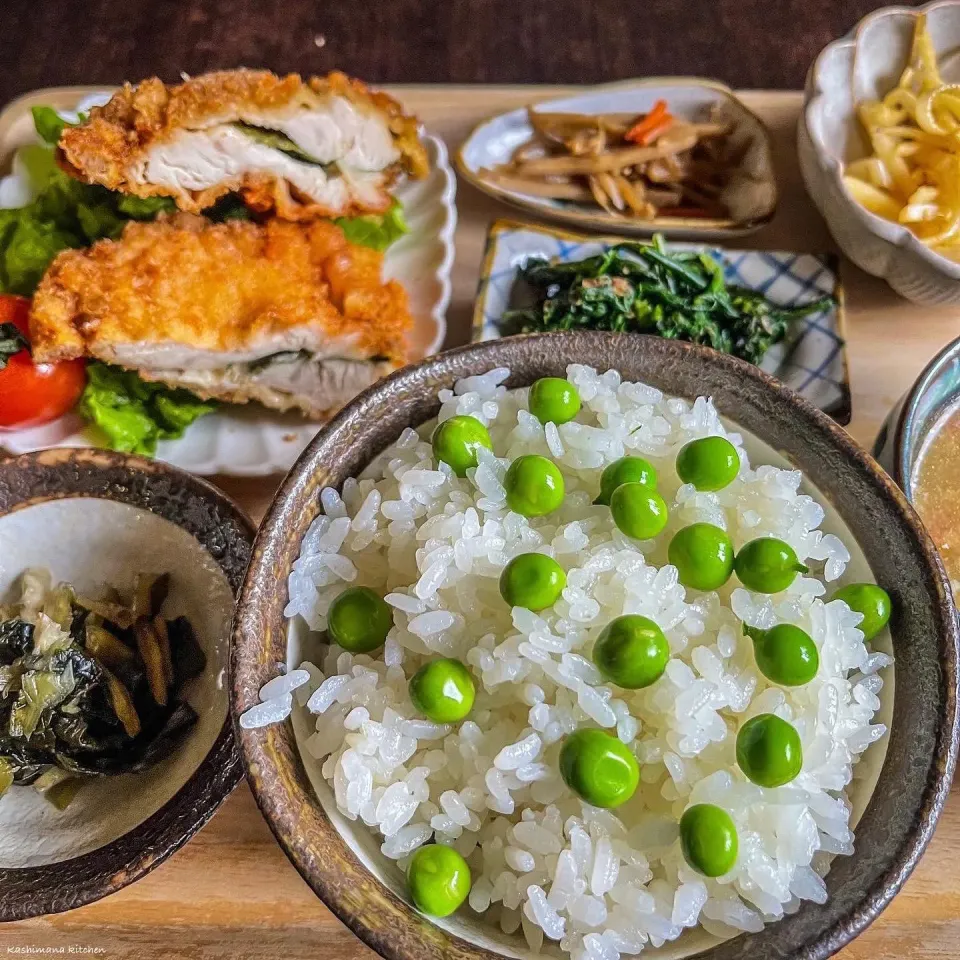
289 314
640 166
326 146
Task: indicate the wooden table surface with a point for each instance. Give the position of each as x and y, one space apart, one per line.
231 893
747 43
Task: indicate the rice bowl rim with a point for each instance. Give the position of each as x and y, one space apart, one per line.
923 742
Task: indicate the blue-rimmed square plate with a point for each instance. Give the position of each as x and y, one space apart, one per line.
811 360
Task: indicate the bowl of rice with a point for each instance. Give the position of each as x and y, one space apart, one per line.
362 783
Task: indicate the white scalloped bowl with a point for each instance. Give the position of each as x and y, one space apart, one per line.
865 65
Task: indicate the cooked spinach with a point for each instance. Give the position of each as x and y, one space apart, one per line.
92 688
644 288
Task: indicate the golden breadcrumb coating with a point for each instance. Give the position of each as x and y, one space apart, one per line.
119 134
217 287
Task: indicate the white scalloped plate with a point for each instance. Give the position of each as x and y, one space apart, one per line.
250 441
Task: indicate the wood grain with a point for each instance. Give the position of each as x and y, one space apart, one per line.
231 893
747 43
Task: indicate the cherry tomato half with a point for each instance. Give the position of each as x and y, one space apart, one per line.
34 393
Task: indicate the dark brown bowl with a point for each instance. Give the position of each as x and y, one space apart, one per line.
921 753
38 493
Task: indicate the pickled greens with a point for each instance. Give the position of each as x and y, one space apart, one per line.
90 687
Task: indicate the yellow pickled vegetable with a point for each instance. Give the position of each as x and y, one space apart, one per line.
912 175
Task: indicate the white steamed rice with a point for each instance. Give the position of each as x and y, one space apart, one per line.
602 883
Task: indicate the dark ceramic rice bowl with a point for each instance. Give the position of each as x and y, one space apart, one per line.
921 753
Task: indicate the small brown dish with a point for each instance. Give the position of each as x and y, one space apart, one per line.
341 861
749 196
94 518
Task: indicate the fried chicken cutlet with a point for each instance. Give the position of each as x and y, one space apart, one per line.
289 314
324 147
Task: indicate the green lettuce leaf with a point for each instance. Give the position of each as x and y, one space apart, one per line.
49 124
98 220
145 208
375 231
28 245
133 414
65 212
39 163
177 409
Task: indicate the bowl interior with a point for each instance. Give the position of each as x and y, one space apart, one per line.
884 44
91 543
340 862
365 843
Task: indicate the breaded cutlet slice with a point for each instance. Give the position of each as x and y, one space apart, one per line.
289 314
324 147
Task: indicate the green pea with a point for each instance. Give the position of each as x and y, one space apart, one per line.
703 556
637 511
359 620
598 768
534 486
709 463
554 400
870 600
631 652
455 442
438 879
532 580
767 565
769 751
785 654
442 690
625 470
708 839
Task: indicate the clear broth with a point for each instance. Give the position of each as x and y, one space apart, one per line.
936 485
